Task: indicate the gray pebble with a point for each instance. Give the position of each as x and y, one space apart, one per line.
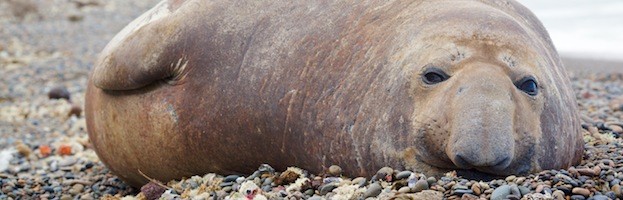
577 197
501 192
315 197
599 197
67 161
404 189
420 185
461 192
515 190
230 178
373 190
403 175
335 170
327 188
524 190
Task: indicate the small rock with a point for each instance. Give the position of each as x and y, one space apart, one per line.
403 175
510 178
577 197
501 192
75 110
23 149
558 195
361 181
581 191
230 178
469 197
513 197
616 128
335 170
462 192
524 190
59 92
385 173
431 180
476 189
617 191
67 161
420 185
586 171
404 189
373 190
327 188
152 190
515 190
76 189
599 197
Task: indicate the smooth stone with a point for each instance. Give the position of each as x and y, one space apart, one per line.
403 175
373 190
515 190
599 197
76 189
309 192
404 189
420 185
510 178
558 195
513 197
431 180
617 191
315 197
524 190
67 161
327 188
469 197
577 197
587 172
462 192
581 191
267 181
230 178
565 189
610 195
520 180
335 170
501 192
476 188
226 184
360 181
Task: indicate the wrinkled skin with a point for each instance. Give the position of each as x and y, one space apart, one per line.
195 86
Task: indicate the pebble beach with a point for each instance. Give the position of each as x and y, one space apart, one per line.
47 48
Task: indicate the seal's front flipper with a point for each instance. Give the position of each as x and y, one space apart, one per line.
140 54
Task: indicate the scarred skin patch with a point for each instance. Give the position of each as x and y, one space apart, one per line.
195 86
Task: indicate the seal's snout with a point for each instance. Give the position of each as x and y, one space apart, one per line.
483 127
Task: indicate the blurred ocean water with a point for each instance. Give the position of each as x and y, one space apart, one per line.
583 28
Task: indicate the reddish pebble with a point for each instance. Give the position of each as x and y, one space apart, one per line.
45 150
64 150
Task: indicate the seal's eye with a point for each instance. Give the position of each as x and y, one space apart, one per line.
434 75
528 85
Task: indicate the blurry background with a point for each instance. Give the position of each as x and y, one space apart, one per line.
583 30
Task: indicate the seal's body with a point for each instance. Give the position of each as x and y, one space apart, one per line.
197 86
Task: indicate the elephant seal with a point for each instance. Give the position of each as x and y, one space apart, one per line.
195 86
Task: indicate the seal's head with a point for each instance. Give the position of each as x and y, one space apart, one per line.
491 94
